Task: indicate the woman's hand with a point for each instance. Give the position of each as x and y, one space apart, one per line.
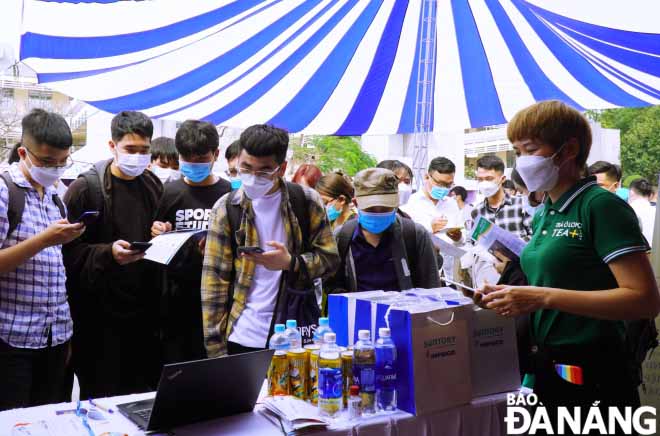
512 301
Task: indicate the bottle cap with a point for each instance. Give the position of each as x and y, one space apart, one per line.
279 328
355 390
291 323
324 321
330 337
384 332
364 335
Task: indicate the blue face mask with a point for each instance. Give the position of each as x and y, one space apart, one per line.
623 193
376 223
195 172
236 183
438 193
332 212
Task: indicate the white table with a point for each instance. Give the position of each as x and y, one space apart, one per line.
484 416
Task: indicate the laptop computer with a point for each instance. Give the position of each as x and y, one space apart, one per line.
195 391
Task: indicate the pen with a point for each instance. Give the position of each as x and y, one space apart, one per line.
104 408
451 282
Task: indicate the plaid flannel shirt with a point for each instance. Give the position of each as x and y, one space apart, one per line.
510 215
33 301
219 261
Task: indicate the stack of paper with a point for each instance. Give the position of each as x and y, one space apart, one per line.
294 415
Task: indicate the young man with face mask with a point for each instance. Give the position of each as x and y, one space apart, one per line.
114 295
382 250
432 206
240 289
35 320
231 173
164 159
187 204
499 207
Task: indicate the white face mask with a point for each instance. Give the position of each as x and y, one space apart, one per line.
539 173
405 191
487 188
163 174
132 165
256 187
44 176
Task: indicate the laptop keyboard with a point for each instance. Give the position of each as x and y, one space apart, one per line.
144 414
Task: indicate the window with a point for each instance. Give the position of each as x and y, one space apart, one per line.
40 99
6 98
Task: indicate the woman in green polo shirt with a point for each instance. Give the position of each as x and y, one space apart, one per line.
586 262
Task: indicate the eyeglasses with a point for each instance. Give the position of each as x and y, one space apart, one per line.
266 174
66 165
441 184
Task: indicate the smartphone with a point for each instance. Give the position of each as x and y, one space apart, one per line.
88 217
249 250
140 246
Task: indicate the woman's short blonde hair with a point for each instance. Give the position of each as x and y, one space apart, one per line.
554 123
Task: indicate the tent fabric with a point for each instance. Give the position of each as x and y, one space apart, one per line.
344 67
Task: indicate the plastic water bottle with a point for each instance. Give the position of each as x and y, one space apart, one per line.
331 388
364 371
385 372
292 333
321 330
278 372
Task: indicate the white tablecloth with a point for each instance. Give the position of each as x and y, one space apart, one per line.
484 416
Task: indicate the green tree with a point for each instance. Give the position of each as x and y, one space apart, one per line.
640 138
334 153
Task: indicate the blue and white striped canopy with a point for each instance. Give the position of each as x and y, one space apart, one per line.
344 67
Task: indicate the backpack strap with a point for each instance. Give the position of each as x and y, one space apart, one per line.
58 202
16 202
95 186
299 204
409 234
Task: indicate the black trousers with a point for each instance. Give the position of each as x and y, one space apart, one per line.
234 348
607 380
31 377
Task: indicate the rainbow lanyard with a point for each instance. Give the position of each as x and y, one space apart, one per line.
570 373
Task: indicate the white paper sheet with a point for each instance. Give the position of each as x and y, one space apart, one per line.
166 246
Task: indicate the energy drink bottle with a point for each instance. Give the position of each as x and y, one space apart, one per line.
347 373
298 372
330 377
278 372
313 379
364 371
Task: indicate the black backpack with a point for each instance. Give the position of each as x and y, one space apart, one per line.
17 203
298 304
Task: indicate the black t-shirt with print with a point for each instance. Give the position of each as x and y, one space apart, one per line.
186 207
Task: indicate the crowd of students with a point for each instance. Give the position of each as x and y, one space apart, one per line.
77 297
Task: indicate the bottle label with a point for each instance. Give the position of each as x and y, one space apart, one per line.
365 377
386 377
330 383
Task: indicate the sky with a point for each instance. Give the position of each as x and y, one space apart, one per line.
10 24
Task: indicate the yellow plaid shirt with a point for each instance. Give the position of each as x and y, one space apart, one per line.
321 262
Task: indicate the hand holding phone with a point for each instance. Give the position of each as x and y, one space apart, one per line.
140 246
243 249
87 217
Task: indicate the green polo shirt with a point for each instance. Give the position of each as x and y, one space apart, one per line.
574 240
